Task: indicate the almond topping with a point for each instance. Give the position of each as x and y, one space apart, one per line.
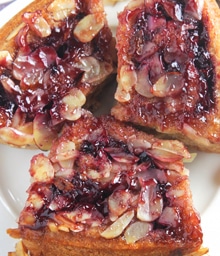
20 250
138 145
132 5
128 78
118 203
41 169
72 103
5 59
195 9
168 84
9 85
88 27
37 23
52 226
15 137
118 226
28 218
61 9
143 85
35 201
95 71
63 228
136 231
65 151
169 151
150 205
194 135
42 28
42 132
169 217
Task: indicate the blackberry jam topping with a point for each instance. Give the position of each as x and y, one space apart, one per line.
108 183
168 62
62 56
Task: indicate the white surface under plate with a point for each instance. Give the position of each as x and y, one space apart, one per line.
14 176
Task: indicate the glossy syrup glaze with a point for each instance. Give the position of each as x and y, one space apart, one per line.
106 181
56 65
168 50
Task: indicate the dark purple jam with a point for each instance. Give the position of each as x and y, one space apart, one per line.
170 38
80 192
49 69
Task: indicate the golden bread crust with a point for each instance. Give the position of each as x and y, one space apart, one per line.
70 244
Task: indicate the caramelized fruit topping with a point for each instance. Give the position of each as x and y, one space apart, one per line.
100 181
63 55
168 62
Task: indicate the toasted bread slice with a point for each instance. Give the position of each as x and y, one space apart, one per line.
108 189
168 69
54 56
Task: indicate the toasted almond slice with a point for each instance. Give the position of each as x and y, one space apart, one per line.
42 132
5 58
15 137
61 9
35 201
150 206
20 249
128 79
41 168
72 104
89 27
118 226
136 231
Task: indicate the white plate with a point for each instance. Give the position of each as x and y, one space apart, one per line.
14 176
5 1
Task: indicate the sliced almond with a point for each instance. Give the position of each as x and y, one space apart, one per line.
34 201
168 84
194 8
118 203
94 70
41 169
37 23
72 103
61 9
52 226
138 145
42 27
169 217
89 26
42 132
15 137
128 78
15 31
137 231
20 249
116 229
63 228
150 205
5 59
143 85
169 151
65 151
132 5
9 85
194 135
